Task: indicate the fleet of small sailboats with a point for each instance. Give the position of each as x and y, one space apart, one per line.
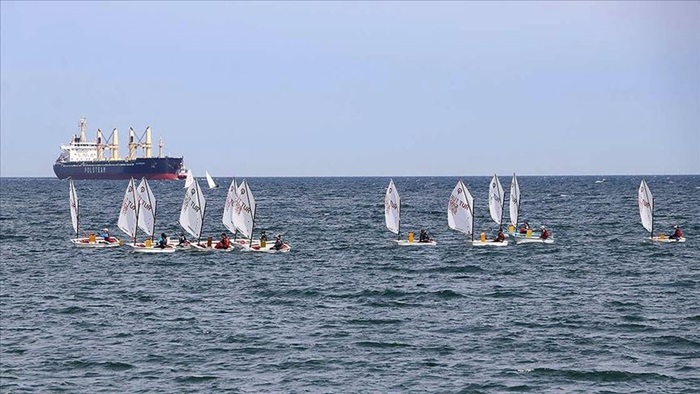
139 207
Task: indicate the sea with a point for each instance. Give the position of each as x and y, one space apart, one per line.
346 311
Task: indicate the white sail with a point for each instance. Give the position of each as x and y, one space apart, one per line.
231 198
392 208
460 209
192 212
210 180
74 206
514 201
147 207
189 179
129 211
646 206
496 200
244 210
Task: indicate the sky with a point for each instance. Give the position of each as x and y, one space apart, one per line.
359 88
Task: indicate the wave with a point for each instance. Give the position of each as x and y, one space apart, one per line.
600 376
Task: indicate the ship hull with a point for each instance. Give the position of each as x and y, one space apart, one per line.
149 168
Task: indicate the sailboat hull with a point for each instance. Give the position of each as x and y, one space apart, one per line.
267 249
99 243
523 240
142 248
488 242
405 242
205 248
666 240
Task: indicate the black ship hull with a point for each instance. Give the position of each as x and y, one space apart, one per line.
149 168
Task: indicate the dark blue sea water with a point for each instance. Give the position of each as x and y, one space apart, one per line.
345 311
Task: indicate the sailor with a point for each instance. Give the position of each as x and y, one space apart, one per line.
545 233
162 241
224 243
500 237
278 242
524 227
182 240
105 234
677 233
263 239
423 237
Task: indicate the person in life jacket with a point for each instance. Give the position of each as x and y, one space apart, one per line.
500 237
677 233
278 242
423 237
224 243
182 240
162 241
524 227
105 234
545 233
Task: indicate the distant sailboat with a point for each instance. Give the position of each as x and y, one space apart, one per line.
496 204
210 181
192 213
93 240
460 210
244 221
646 212
392 217
188 179
513 232
146 219
128 215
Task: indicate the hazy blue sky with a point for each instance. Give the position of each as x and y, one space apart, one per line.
359 88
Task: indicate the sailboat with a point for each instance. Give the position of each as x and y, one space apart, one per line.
192 215
93 240
496 204
244 221
514 209
129 212
232 198
188 179
646 211
146 220
210 181
392 217
460 210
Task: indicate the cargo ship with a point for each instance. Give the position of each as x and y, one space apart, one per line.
81 159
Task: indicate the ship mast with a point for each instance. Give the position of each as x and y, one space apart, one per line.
83 123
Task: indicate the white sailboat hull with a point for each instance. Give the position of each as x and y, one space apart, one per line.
666 240
99 243
519 238
267 249
405 242
488 242
212 248
523 240
142 248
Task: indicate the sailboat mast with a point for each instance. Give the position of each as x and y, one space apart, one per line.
651 233
154 207
199 202
398 232
77 209
138 208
